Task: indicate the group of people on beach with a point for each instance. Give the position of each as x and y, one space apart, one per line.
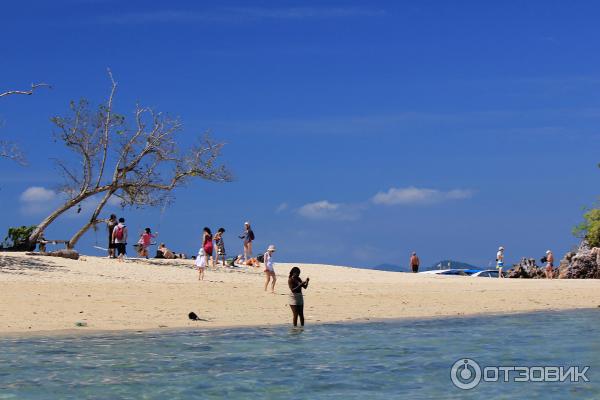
117 248
548 259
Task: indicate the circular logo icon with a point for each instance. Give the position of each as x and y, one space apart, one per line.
465 374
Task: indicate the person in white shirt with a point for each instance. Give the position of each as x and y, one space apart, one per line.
269 269
500 261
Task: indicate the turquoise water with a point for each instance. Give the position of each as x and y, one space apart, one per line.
407 359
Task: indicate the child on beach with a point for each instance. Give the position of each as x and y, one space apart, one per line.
201 263
220 245
269 269
296 298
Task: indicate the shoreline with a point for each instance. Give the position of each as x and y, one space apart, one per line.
47 296
83 332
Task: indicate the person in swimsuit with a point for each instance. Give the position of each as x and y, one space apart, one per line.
296 298
269 269
549 265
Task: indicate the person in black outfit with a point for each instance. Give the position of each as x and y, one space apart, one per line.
296 298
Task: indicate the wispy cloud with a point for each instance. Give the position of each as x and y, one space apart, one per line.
413 195
281 208
239 14
324 209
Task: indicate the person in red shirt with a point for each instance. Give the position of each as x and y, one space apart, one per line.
414 262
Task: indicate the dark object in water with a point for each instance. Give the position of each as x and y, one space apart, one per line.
193 316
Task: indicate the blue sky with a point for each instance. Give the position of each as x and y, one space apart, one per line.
357 132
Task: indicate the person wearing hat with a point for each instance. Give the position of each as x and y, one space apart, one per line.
549 264
269 270
248 238
500 261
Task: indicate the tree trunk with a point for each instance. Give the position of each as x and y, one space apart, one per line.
93 221
57 213
50 218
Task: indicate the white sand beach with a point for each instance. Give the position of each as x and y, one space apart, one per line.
48 294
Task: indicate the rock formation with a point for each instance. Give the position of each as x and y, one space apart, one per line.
582 264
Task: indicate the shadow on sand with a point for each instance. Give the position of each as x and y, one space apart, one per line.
22 265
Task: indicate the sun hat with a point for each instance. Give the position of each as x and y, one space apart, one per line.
271 248
548 252
501 248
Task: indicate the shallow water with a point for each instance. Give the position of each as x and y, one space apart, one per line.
405 359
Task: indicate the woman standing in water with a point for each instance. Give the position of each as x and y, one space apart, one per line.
296 298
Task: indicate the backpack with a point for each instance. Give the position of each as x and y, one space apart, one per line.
251 235
260 258
119 232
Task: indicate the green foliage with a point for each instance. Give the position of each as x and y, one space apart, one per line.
589 229
17 236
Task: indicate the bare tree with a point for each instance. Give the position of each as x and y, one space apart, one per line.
10 149
141 165
29 92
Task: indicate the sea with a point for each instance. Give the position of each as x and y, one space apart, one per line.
405 359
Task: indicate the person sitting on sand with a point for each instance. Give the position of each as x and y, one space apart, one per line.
269 269
500 261
164 252
296 298
549 265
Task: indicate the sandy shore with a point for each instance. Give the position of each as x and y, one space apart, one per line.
40 294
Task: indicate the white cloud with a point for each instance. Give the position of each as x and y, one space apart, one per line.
413 195
37 194
37 200
326 210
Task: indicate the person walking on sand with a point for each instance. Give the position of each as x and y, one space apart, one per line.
296 298
269 269
207 245
248 238
549 265
120 239
414 262
500 261
110 224
204 253
146 241
220 245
